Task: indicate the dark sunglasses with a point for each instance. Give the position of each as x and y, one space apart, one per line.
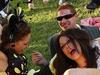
66 43
65 17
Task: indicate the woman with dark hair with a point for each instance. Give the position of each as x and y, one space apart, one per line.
74 50
15 37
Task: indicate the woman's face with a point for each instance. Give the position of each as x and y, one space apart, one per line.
22 44
71 51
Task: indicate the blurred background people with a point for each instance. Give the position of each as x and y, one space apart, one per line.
45 1
93 4
61 1
31 5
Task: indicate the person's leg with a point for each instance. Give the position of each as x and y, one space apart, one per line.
93 4
96 2
31 4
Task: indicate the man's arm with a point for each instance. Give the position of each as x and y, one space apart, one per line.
92 31
52 44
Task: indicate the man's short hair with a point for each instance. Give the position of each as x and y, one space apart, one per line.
67 6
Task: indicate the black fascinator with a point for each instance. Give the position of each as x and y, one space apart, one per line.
13 21
3 4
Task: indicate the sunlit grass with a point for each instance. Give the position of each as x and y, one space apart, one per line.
43 24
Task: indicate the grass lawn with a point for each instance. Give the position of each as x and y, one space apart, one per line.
43 24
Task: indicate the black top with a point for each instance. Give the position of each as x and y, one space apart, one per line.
17 64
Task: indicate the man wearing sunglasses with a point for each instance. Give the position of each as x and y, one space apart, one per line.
67 18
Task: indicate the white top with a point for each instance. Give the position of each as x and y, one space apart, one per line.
96 43
98 62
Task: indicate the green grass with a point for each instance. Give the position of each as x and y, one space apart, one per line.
43 24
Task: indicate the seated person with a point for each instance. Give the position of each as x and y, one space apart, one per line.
15 37
74 50
67 17
85 71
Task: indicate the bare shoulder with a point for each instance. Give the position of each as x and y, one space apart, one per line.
2 55
3 62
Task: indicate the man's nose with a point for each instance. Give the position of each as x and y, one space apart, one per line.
63 19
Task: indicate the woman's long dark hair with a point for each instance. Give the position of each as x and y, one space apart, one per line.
15 30
62 62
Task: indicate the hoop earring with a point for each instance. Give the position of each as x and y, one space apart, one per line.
13 45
